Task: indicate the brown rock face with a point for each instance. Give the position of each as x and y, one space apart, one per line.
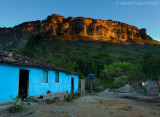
67 28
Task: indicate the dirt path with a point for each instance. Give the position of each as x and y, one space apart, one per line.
100 105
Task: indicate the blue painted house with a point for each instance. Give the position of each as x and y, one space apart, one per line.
21 75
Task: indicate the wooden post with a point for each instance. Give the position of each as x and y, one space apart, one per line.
91 85
159 83
88 81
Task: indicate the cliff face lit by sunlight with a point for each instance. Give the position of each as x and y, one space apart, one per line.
79 28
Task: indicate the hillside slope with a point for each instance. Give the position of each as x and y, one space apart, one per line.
79 28
86 57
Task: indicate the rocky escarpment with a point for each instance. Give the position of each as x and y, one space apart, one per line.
79 28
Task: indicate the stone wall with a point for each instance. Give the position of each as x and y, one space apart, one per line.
152 89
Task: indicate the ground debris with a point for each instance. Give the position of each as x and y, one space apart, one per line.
127 108
104 105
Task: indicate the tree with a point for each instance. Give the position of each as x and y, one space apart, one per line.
33 46
66 63
116 69
151 67
136 73
101 59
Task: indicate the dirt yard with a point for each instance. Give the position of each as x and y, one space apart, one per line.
95 105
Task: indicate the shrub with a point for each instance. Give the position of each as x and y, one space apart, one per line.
103 84
16 108
116 69
18 104
78 93
69 97
118 82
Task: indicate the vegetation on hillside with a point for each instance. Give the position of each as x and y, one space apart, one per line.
116 69
105 60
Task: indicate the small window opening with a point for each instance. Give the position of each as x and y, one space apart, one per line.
57 77
45 76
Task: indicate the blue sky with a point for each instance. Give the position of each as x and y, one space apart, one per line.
139 13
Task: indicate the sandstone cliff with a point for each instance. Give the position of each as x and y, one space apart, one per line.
79 28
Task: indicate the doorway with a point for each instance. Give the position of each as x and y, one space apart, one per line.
72 85
23 83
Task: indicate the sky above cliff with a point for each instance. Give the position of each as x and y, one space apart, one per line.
139 13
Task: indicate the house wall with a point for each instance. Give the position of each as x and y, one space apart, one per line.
9 76
37 87
9 81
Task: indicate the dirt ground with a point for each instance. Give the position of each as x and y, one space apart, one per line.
95 105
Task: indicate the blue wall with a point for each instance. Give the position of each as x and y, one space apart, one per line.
9 81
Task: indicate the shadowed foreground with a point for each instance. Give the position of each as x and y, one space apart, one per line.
96 105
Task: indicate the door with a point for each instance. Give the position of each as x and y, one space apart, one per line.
72 85
23 83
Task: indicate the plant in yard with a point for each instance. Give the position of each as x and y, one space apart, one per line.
78 93
69 97
18 104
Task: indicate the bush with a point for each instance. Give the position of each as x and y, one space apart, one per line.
78 93
116 69
69 98
119 82
100 84
18 104
16 108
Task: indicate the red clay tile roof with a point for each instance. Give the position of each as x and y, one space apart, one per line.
25 61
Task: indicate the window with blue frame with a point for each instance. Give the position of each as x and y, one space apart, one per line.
57 77
45 76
